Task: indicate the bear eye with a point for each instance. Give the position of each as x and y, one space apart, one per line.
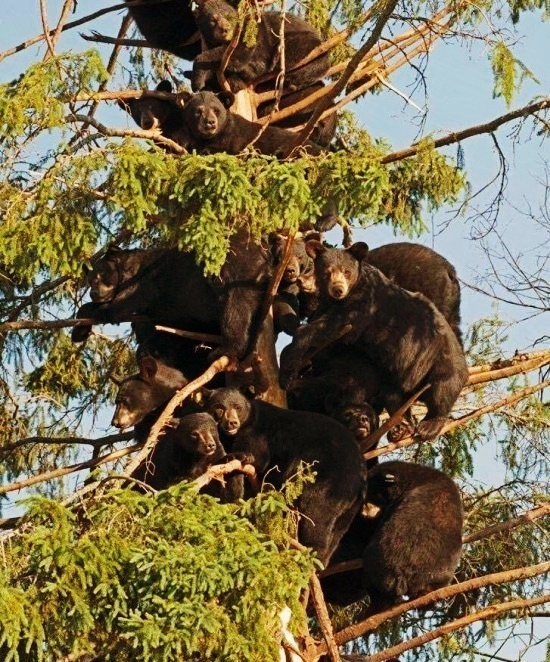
347 273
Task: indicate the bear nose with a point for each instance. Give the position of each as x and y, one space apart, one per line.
291 272
338 290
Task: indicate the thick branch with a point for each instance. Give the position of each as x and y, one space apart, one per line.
457 136
373 622
218 471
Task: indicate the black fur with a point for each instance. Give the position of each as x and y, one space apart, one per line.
213 128
275 440
151 113
217 21
168 26
403 334
417 542
169 288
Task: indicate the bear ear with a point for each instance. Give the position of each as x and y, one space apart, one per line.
164 86
183 97
227 98
310 235
147 368
359 250
314 248
113 251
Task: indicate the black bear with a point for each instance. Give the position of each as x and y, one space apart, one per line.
325 128
143 395
168 25
297 288
213 128
276 440
185 452
217 21
402 333
152 113
143 282
412 544
420 269
416 545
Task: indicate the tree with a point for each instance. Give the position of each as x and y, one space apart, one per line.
104 564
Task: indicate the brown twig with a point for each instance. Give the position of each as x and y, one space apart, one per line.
67 26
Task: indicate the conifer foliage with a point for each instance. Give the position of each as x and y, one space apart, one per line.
92 568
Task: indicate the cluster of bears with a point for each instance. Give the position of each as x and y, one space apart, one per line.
202 121
369 329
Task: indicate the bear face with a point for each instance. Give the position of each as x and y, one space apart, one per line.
198 435
359 418
205 113
104 279
336 271
216 21
230 409
145 392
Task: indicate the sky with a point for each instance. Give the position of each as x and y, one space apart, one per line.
459 94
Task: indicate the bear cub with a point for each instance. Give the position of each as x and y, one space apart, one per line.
217 21
213 128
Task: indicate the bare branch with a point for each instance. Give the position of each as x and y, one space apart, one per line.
527 516
490 612
373 622
96 443
64 471
457 136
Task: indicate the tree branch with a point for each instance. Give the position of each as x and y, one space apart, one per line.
492 611
96 443
386 10
373 622
457 136
64 471
527 516
457 422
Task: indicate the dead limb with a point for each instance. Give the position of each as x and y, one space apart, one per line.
219 471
